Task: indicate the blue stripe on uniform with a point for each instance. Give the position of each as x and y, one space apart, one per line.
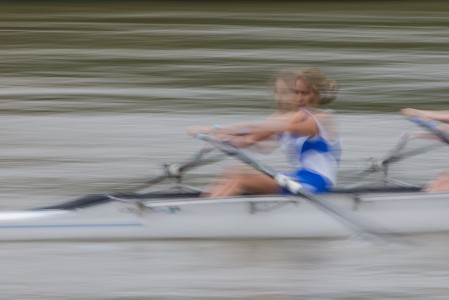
317 145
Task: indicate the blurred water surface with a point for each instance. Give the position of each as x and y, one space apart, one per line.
179 57
95 97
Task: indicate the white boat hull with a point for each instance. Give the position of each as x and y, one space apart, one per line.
234 218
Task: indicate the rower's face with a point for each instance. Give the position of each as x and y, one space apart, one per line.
284 95
304 96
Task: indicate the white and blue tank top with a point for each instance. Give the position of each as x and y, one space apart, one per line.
315 157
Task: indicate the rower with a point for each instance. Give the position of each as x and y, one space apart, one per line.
309 135
441 182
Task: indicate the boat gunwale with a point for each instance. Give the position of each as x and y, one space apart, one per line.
153 199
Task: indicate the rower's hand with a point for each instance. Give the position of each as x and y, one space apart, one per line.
420 135
195 130
415 135
411 112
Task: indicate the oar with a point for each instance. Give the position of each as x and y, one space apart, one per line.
360 227
431 126
176 170
382 164
395 155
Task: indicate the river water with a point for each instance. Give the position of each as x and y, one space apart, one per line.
95 98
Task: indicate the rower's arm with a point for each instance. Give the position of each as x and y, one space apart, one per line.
437 115
302 124
299 123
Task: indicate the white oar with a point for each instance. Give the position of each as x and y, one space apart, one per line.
360 227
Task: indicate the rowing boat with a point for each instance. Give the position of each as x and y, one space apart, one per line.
183 215
179 212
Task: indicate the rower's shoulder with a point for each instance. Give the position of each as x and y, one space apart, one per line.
324 112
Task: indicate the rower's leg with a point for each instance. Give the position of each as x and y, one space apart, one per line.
440 184
229 174
247 184
238 180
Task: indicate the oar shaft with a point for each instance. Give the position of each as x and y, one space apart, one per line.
296 189
409 153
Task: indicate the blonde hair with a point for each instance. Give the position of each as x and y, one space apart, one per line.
316 81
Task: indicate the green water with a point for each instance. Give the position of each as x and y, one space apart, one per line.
206 56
